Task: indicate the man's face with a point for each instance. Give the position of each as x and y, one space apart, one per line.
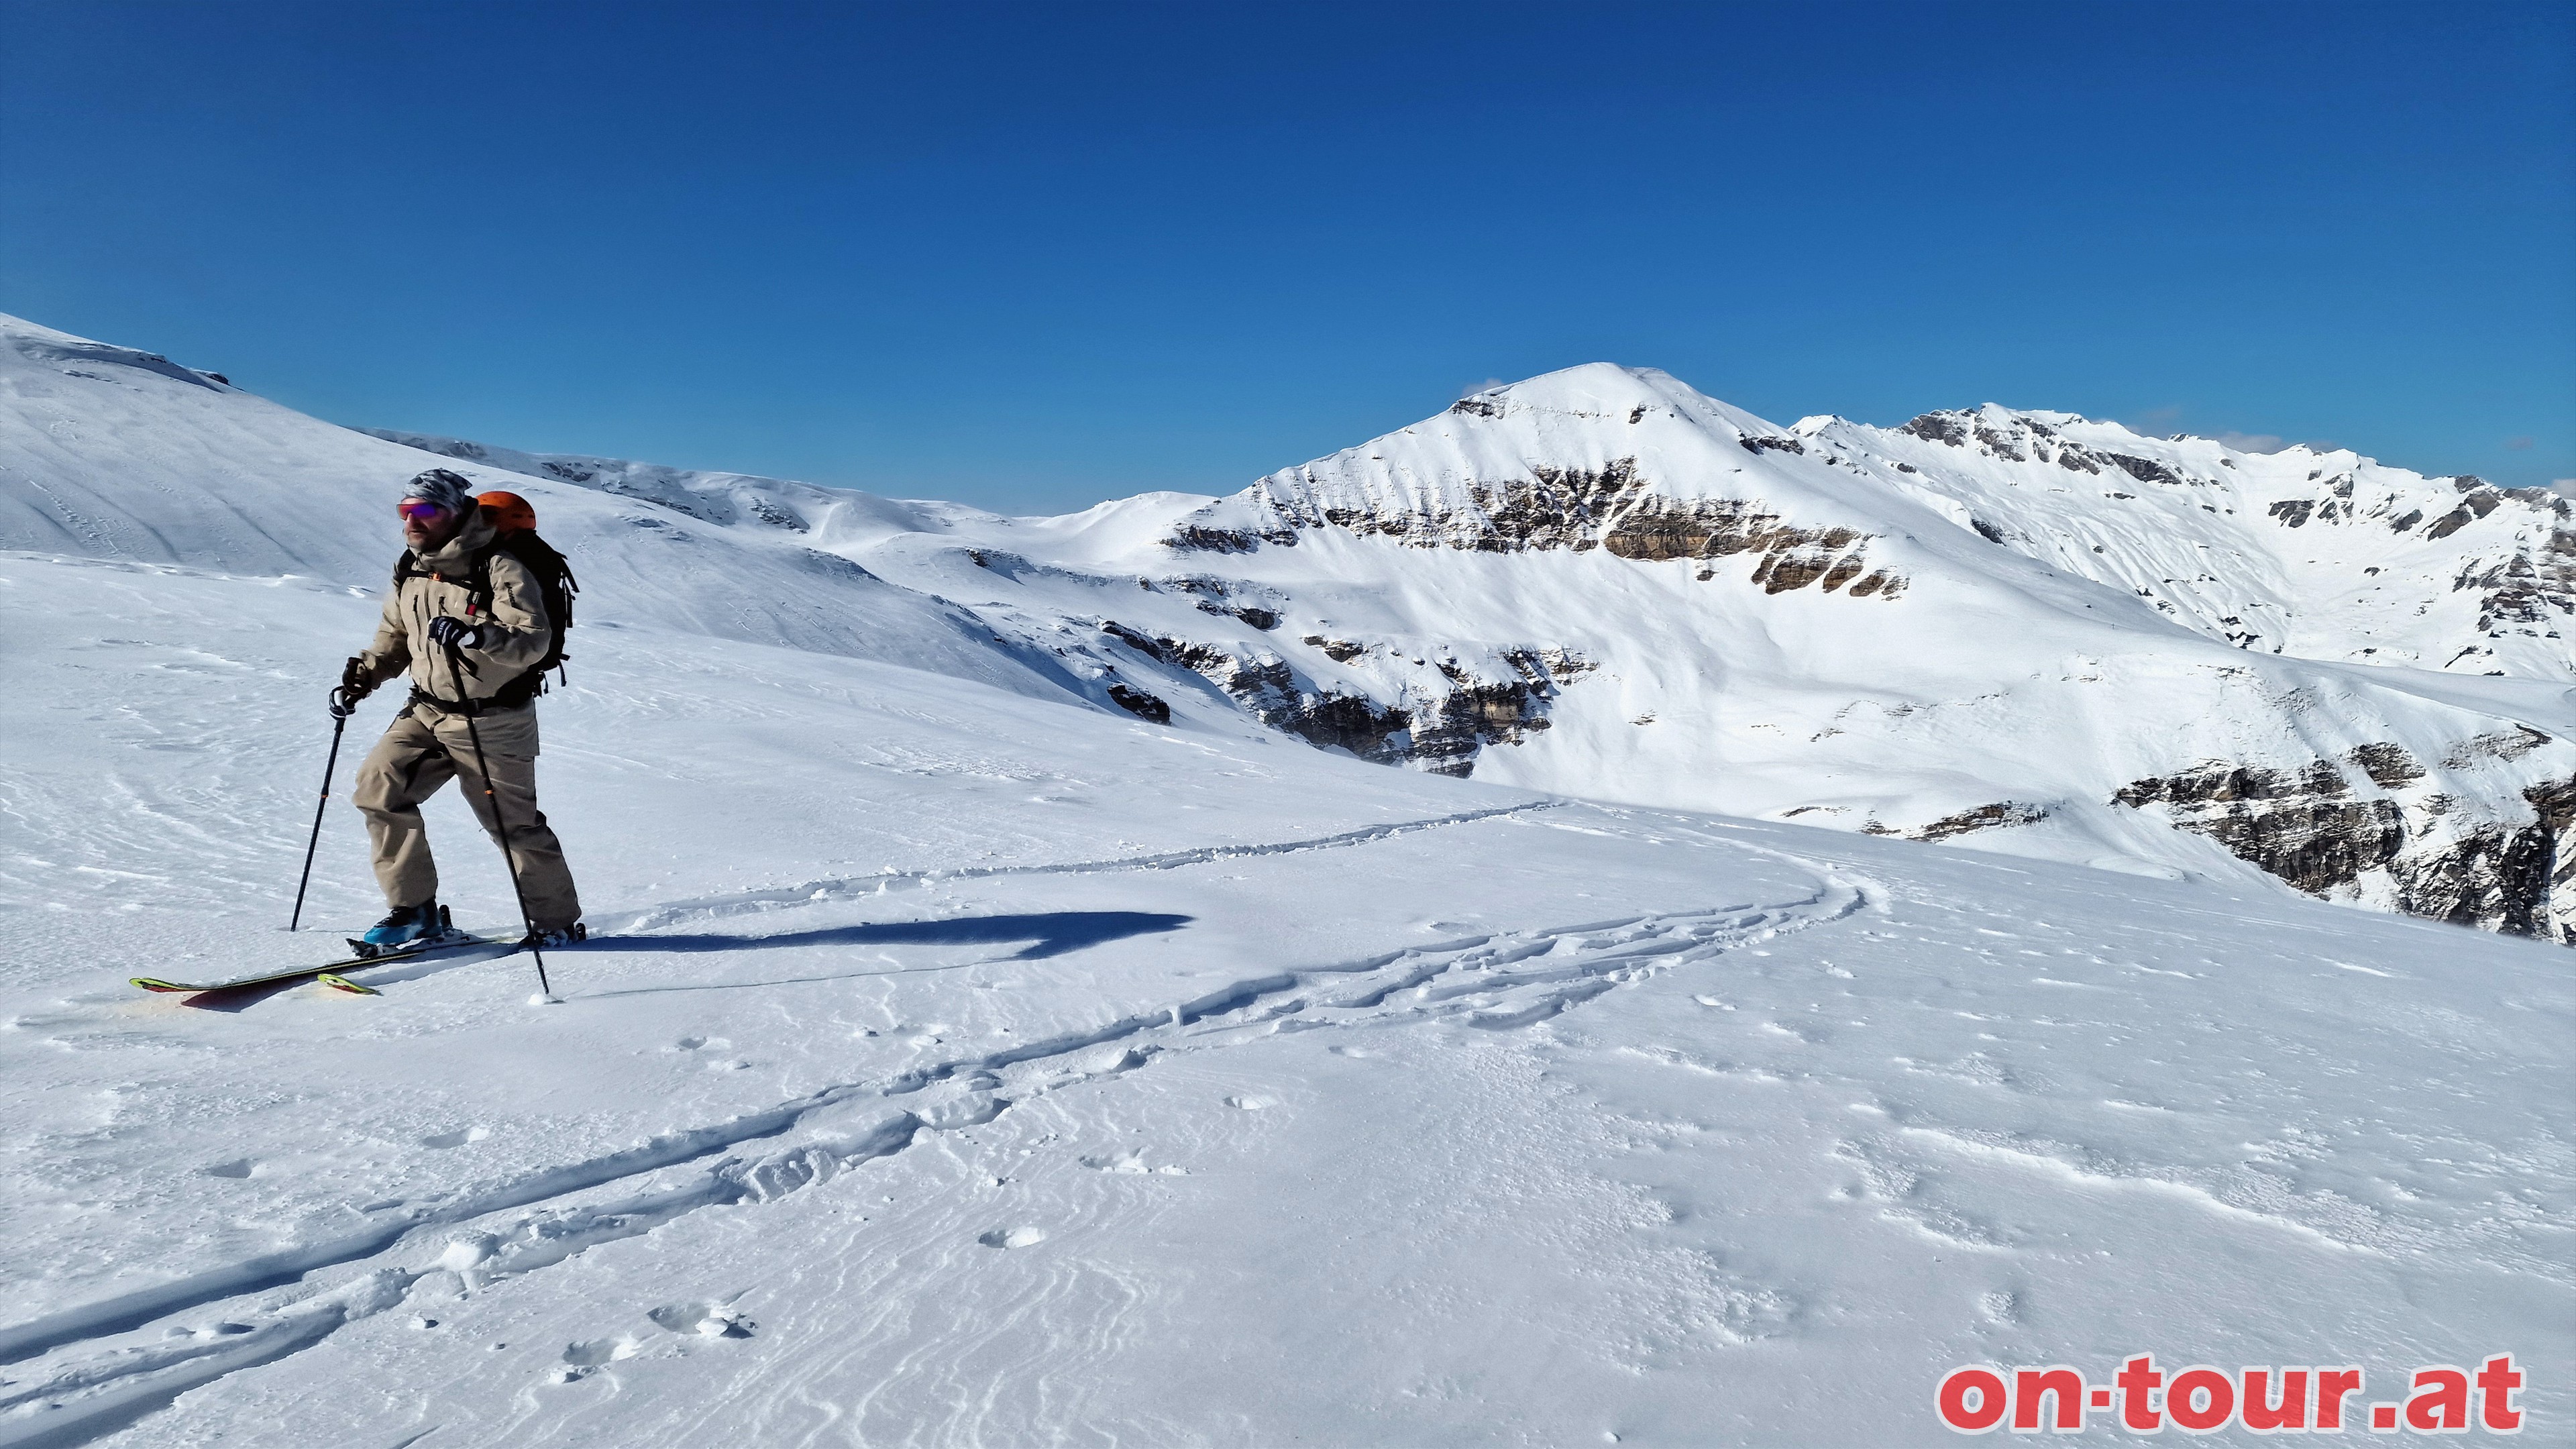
426 526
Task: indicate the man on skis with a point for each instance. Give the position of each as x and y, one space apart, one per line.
468 622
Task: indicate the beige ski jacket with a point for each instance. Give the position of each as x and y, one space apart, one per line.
516 632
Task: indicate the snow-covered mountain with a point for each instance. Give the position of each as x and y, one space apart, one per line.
2022 632
2321 555
1951 630
966 1054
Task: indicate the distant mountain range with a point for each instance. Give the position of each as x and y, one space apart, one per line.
2024 632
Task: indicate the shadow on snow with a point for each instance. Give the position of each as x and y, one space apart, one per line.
1053 933
1050 934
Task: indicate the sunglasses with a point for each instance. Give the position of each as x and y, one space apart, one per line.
420 512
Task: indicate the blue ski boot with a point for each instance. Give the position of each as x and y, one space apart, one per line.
405 928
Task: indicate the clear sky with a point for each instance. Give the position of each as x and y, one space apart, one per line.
1033 256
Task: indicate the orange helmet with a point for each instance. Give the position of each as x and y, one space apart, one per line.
509 512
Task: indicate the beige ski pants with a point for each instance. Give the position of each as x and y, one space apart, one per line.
424 749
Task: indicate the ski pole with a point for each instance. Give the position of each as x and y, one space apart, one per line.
339 723
500 827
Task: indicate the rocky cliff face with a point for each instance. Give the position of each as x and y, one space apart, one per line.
1439 728
2365 828
1616 508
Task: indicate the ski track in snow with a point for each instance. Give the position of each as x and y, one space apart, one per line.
79 1375
847 887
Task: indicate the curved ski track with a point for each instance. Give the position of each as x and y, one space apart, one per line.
80 1375
846 887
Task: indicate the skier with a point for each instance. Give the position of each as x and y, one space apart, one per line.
467 619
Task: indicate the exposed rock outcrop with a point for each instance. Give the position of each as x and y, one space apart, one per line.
1613 507
1149 707
2310 827
1440 729
2298 825
1984 817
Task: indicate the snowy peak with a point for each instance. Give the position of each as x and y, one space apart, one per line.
822 517
2320 554
1603 391
1627 460
79 357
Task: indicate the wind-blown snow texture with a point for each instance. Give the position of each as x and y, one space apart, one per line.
969 1060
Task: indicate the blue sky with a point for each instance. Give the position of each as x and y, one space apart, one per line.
1033 256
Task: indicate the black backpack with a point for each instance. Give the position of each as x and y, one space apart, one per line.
555 587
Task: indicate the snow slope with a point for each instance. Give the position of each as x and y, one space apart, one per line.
965 1067
110 453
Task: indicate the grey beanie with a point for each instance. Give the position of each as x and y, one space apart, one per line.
448 490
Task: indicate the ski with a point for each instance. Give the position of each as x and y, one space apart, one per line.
328 972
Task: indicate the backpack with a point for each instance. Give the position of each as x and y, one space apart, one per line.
555 586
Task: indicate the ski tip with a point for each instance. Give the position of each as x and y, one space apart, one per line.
151 983
343 983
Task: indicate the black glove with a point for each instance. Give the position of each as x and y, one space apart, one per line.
355 685
454 633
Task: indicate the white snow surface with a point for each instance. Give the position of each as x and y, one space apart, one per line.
963 1061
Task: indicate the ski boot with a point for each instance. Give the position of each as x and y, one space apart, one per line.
405 928
548 938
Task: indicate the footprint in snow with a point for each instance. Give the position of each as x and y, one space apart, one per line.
238 1167
1251 1104
706 1320
1012 1237
1133 1163
441 1141
580 1359
216 1330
